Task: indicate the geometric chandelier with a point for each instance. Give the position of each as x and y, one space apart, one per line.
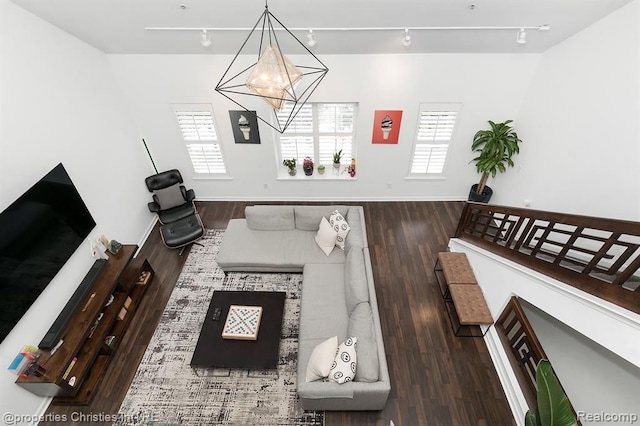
272 77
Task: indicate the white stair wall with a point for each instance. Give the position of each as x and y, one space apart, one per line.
605 324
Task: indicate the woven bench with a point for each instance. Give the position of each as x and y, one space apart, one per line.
471 307
461 290
456 270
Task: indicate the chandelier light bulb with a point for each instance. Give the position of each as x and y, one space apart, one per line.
311 39
406 40
205 41
274 78
521 37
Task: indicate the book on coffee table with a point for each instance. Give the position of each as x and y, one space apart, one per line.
243 322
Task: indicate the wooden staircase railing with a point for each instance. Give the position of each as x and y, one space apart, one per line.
598 256
522 347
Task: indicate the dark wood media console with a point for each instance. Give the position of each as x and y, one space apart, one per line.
76 368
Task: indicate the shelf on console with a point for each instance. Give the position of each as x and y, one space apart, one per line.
93 355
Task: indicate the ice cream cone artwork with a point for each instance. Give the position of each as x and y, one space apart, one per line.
386 125
243 123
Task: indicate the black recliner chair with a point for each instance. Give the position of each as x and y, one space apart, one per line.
171 200
173 203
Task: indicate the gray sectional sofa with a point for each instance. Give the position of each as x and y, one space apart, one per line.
338 294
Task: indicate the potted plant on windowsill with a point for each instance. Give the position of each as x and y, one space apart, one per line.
495 147
307 166
337 156
290 165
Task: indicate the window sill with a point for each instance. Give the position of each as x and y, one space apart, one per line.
212 177
426 177
329 174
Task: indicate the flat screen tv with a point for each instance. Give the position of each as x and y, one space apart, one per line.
38 234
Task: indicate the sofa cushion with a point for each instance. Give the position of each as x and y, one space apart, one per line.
323 311
361 326
321 359
317 389
355 282
307 218
169 197
344 366
245 249
270 218
326 237
341 226
356 237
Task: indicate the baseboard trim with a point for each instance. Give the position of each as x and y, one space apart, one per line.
146 233
332 198
507 377
41 411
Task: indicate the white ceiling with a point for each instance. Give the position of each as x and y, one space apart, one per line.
118 26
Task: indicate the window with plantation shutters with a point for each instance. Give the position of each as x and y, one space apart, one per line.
201 140
318 131
434 135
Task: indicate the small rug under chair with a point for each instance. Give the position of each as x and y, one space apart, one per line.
166 390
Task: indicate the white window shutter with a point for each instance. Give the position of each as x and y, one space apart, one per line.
196 126
433 137
319 130
206 158
201 140
429 158
303 121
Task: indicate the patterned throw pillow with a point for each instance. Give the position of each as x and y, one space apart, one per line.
340 225
344 366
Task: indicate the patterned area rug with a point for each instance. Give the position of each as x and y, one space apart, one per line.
166 390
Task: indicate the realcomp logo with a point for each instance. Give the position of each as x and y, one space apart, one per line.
605 417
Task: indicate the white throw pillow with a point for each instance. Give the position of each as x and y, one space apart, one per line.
326 237
340 225
321 359
344 366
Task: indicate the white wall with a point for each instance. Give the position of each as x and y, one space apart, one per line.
152 82
601 324
60 103
580 125
596 379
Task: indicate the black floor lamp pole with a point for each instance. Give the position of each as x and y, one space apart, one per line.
150 157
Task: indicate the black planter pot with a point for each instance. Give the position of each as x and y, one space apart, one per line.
308 170
480 198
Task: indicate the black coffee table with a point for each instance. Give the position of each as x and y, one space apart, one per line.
214 351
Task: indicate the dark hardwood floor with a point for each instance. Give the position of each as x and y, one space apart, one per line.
436 378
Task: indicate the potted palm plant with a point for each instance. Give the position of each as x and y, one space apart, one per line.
553 407
494 147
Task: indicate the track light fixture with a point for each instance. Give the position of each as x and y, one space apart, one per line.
311 39
205 41
521 35
406 40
